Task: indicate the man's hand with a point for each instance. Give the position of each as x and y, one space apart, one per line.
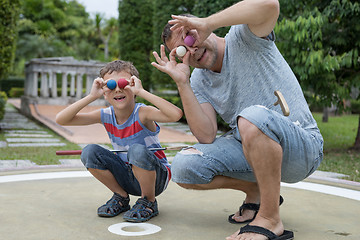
196 27
179 72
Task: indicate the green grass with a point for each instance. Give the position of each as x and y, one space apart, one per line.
339 136
38 155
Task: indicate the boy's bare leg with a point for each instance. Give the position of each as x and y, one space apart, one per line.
108 179
146 180
265 157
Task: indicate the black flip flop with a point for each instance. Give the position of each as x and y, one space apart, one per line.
249 206
287 235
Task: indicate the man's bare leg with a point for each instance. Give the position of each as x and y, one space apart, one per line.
265 157
222 182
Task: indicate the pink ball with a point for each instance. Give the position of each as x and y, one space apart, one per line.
122 82
189 40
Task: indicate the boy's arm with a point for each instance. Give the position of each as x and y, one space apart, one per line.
71 116
163 111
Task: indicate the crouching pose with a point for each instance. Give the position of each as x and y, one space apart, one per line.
235 77
131 126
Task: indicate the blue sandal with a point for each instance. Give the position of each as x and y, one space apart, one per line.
142 211
116 205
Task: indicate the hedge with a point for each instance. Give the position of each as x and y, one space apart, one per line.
3 100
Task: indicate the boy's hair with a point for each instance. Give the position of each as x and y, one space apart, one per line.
166 34
119 66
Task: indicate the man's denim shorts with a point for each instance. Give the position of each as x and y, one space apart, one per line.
302 152
97 157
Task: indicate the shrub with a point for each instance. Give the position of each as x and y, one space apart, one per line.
3 100
355 106
16 92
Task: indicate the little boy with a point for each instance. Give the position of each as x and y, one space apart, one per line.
131 126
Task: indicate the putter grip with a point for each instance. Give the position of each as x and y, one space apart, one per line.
283 104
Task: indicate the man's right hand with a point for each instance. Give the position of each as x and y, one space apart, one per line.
179 72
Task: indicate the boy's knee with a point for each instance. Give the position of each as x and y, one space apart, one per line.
139 156
137 151
88 151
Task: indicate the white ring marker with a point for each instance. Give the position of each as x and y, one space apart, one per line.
133 229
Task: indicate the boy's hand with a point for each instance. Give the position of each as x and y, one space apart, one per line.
134 85
179 72
98 88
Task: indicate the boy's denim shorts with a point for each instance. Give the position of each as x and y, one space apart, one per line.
97 157
302 152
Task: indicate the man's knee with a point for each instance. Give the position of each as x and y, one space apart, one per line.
186 166
248 131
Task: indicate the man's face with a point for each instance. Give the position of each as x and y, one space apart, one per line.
201 56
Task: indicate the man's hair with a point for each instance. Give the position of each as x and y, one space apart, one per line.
166 34
119 66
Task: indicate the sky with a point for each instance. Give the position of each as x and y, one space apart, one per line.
108 7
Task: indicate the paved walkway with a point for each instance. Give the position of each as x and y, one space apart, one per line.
59 203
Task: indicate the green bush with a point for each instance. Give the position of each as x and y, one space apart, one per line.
9 12
355 106
3 100
16 92
7 84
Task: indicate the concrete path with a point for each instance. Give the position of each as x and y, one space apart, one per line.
60 203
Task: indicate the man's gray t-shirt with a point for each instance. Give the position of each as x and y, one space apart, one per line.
252 70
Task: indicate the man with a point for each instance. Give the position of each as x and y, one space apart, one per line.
236 77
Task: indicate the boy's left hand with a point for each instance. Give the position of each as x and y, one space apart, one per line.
135 85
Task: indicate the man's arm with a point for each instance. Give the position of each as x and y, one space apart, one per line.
201 118
259 15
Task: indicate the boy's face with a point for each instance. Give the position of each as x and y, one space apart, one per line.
118 97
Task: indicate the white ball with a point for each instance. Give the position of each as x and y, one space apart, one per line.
181 51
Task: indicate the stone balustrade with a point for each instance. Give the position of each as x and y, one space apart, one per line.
74 77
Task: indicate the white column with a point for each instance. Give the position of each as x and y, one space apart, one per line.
44 89
89 82
78 85
34 85
64 85
72 85
53 84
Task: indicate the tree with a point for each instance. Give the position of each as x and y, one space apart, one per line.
162 13
9 12
320 40
105 31
135 31
53 28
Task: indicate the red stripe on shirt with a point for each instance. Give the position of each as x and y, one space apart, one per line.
169 173
160 154
125 132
